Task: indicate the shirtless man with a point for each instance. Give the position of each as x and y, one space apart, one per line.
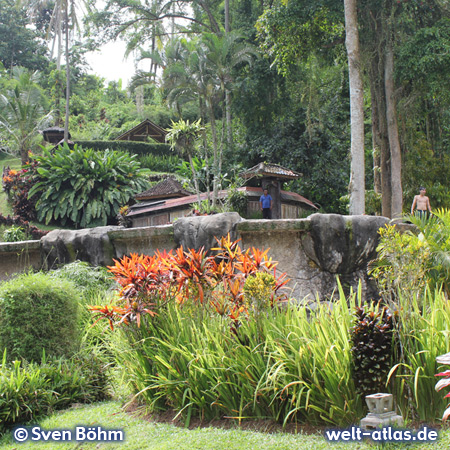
421 203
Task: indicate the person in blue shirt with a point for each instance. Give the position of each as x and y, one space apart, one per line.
266 204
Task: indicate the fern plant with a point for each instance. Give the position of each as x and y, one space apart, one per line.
86 188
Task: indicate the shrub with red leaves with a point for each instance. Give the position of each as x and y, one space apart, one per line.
189 278
17 185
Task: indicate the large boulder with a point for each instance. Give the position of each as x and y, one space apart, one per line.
201 231
90 244
344 244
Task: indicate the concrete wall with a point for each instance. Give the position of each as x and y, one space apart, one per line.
19 256
312 251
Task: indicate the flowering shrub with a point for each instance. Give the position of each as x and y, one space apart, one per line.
17 185
225 283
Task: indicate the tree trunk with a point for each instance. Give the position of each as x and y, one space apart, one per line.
24 154
66 124
215 154
195 178
227 16
392 126
376 138
357 178
227 92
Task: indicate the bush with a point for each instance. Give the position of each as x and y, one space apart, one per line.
413 261
37 313
30 230
84 187
372 351
29 390
85 277
17 185
14 234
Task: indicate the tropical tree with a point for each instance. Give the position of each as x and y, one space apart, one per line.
182 136
23 111
357 182
20 45
188 77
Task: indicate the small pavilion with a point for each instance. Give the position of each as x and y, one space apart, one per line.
142 132
271 177
54 135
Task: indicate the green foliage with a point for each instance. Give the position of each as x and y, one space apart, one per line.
38 313
236 201
133 147
22 112
20 43
14 234
86 278
289 31
257 291
372 351
290 374
423 335
401 263
157 163
84 187
413 261
182 136
30 390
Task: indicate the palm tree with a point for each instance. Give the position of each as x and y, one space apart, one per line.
187 77
201 69
182 136
224 53
22 111
63 20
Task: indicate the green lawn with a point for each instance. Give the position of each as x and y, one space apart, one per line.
144 435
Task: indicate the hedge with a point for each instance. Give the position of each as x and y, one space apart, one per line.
138 148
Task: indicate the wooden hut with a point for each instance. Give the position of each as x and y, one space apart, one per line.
143 132
271 177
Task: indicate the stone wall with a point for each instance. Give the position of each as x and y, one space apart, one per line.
312 251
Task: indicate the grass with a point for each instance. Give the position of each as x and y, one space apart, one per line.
141 434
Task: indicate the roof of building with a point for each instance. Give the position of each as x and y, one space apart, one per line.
143 131
53 134
264 169
168 188
178 203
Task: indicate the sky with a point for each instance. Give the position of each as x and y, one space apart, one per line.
109 63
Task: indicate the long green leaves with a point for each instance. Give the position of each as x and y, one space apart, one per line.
286 365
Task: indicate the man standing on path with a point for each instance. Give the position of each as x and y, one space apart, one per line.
266 205
421 203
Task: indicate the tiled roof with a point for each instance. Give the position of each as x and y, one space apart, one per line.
270 170
178 203
170 187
